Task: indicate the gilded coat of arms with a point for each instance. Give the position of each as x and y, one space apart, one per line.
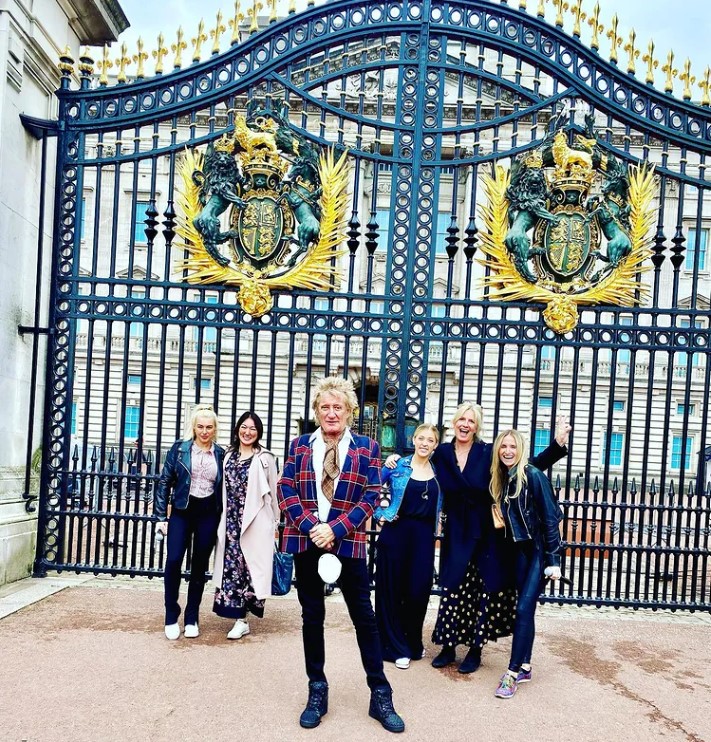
548 240
262 210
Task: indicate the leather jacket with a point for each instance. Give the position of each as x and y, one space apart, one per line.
534 515
174 482
399 477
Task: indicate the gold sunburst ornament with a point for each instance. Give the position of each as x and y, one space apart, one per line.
250 217
545 241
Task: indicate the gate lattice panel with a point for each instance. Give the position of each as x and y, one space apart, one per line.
426 96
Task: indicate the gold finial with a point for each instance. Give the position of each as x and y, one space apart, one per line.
671 73
253 12
159 53
104 66
705 84
66 64
651 63
139 59
522 4
86 63
217 32
541 9
198 41
688 79
597 27
560 6
234 23
615 40
273 13
632 51
122 62
578 15
178 48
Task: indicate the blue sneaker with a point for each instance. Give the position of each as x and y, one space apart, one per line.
524 676
507 686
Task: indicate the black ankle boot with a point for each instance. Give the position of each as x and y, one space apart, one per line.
445 657
381 708
471 662
316 706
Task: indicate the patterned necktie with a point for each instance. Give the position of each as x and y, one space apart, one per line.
330 469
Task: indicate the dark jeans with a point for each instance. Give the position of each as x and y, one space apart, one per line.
198 522
529 576
356 592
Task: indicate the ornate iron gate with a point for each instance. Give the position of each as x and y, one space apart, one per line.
426 96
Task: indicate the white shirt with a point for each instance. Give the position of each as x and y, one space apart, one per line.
318 446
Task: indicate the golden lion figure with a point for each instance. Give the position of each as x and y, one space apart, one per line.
565 157
250 140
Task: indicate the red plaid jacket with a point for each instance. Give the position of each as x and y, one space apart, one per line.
353 500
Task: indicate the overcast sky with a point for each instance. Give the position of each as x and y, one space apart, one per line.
683 26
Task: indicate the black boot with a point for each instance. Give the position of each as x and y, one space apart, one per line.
381 708
471 662
316 706
445 657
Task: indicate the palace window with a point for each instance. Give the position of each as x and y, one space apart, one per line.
677 445
696 244
617 441
131 422
139 229
541 440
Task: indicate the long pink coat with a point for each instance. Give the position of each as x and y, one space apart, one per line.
260 517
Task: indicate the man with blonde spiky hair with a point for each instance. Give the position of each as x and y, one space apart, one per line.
328 489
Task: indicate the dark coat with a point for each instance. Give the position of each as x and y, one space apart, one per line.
469 532
535 515
174 483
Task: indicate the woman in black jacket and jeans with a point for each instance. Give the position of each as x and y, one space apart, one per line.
531 518
191 481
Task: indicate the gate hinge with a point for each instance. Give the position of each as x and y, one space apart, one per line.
29 330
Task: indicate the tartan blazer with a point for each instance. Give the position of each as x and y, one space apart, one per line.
353 499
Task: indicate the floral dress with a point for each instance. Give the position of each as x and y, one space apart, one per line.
236 594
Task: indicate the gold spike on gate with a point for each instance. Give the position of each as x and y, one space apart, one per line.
651 63
159 53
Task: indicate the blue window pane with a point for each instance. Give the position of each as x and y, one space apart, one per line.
696 243
541 440
139 232
618 405
444 219
382 217
205 384
131 422
547 352
676 453
210 333
616 445
623 355
74 418
545 402
134 379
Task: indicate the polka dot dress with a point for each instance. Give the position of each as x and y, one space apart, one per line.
471 616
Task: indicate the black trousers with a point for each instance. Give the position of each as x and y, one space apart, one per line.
198 522
356 592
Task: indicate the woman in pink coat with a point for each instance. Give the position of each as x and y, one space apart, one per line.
245 537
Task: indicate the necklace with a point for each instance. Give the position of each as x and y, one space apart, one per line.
426 493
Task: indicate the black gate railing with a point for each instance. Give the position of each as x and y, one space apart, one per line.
426 96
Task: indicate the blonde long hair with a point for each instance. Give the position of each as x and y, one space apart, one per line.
498 485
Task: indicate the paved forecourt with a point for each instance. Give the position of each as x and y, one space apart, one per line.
90 663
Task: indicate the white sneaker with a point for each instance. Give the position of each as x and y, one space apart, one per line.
402 663
191 631
172 631
240 629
